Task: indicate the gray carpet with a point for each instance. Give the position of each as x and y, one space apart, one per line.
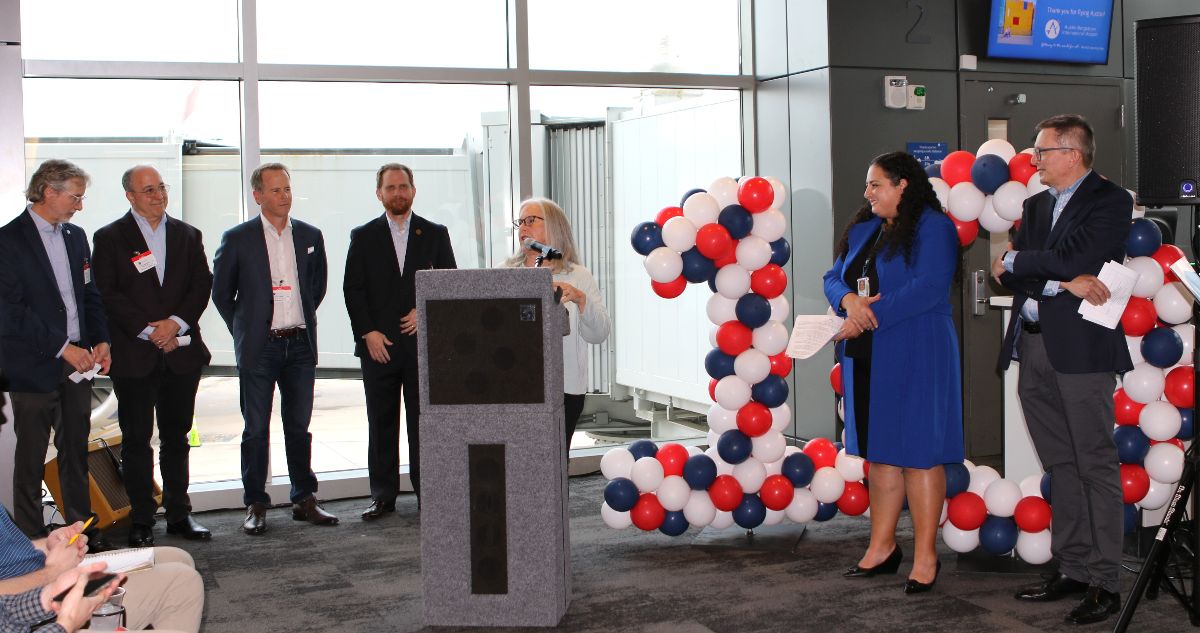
366 577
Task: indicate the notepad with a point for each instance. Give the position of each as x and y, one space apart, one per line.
123 560
812 332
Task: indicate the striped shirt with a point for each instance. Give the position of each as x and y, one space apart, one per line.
18 556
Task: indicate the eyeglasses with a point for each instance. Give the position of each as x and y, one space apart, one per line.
1039 151
149 191
77 198
527 220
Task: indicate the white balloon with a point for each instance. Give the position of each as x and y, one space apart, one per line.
679 234
1157 496
781 418
712 336
970 465
942 190
981 478
1150 276
752 366
961 541
1134 343
723 467
769 225
1001 497
664 264
1159 420
771 338
724 191
1031 486
732 393
780 310
1008 200
1034 547
1187 332
721 419
997 146
966 201
768 447
1164 463
774 517
1144 383
1173 304
614 519
1035 185
712 437
673 493
721 521
647 474
850 466
701 208
721 309
827 484
732 281
1138 210
693 451
751 474
699 510
776 467
753 252
780 190
616 463
990 221
841 409
803 507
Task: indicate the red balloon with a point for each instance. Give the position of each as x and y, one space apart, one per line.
672 456
713 241
1176 441
1180 389
1135 483
966 511
667 214
967 231
956 168
754 419
777 492
734 338
1020 168
725 492
648 513
768 281
822 452
1127 408
1032 514
866 470
835 379
781 364
1016 225
1166 255
671 289
854 499
730 258
712 389
1139 317
756 194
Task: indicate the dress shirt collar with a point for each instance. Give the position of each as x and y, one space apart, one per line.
400 227
271 227
42 225
1069 190
144 224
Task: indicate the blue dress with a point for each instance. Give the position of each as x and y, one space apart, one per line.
916 375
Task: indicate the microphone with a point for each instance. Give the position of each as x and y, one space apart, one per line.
548 252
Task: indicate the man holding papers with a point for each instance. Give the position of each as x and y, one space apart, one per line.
1067 363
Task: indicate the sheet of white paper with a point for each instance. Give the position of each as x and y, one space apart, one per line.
811 332
78 377
1183 270
184 340
1120 281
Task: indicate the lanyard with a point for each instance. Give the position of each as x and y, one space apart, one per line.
871 253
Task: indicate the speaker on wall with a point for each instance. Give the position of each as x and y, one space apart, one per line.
1168 110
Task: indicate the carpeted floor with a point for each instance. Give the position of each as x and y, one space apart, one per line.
366 577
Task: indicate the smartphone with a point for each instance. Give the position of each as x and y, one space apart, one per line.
95 583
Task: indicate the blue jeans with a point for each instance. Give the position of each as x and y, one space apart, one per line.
289 363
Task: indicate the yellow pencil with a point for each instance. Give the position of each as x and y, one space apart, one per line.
85 526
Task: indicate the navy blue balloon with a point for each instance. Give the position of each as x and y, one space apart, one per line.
1144 238
934 170
958 478
998 535
1132 444
839 445
1046 487
1162 347
697 267
718 364
621 494
712 283
988 173
699 471
750 513
646 237
781 252
771 392
734 446
1131 518
737 220
643 448
1186 430
689 195
673 523
799 469
825 511
753 310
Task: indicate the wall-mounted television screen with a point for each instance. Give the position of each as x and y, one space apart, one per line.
1073 31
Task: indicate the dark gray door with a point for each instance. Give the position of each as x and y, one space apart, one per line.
1015 103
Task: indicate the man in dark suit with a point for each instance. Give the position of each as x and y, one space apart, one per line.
269 276
53 326
381 265
1068 365
154 279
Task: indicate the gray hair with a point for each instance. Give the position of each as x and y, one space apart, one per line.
55 174
256 178
1077 129
127 177
558 235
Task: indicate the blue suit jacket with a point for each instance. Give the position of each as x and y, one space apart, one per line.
242 284
33 314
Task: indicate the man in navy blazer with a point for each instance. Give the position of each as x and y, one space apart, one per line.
1068 365
53 326
381 298
269 276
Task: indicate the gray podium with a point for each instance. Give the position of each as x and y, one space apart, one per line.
495 549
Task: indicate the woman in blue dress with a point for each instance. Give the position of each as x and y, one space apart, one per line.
892 278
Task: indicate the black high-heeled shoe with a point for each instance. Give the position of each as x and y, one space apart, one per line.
916 586
889 566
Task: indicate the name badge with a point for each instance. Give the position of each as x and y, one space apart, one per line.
281 292
864 287
87 272
144 261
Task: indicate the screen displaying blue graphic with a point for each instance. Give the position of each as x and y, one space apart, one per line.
1074 31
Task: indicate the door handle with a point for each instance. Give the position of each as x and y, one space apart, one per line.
979 293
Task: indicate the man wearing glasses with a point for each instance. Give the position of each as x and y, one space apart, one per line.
381 265
55 337
1068 365
154 279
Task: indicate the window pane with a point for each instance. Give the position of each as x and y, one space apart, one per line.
693 36
132 30
447 33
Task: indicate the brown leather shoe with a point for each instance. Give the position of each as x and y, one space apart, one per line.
308 510
377 509
256 519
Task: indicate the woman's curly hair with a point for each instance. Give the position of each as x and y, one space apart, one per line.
918 195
